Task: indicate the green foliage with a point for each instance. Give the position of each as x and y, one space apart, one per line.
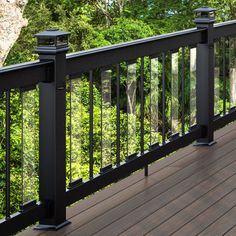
126 29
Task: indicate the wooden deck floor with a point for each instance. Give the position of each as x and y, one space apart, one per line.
192 192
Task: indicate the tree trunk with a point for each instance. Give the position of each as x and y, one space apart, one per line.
11 23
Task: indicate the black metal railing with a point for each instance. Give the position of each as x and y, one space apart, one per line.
104 113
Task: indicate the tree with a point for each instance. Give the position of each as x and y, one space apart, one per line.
11 23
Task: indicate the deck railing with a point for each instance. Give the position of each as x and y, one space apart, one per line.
105 113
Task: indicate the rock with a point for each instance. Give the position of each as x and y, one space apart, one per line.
11 23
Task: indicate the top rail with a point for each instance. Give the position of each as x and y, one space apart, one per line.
225 29
90 59
29 74
25 74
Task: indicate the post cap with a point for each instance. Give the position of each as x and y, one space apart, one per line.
205 15
52 41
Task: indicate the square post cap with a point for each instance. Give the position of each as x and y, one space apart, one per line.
205 15
52 41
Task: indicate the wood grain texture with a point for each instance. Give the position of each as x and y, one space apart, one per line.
221 225
190 192
172 208
231 232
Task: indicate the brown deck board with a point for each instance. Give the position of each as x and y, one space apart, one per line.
149 201
199 160
151 193
210 215
188 217
155 218
221 225
117 210
232 231
138 205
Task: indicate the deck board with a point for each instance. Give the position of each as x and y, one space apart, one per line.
231 232
149 200
192 184
191 218
221 225
213 183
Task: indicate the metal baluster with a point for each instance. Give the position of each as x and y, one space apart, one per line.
224 77
174 94
154 102
22 146
91 124
118 114
182 91
192 87
232 73
127 118
217 110
101 124
163 98
131 110
150 108
70 131
7 154
142 106
106 144
142 113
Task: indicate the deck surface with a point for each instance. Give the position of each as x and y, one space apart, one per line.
192 192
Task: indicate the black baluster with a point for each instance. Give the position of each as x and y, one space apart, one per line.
163 99
182 92
118 114
70 131
91 124
7 154
224 76
142 113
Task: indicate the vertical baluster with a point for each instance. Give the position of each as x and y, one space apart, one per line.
131 110
91 124
154 102
142 106
76 127
224 76
182 92
29 159
22 147
101 124
192 87
106 121
7 154
217 110
174 93
232 72
142 113
118 114
70 131
163 99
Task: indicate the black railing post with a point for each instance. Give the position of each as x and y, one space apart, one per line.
205 75
53 45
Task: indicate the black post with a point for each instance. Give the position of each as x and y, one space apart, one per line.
53 45
205 76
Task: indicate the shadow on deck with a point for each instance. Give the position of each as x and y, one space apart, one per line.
191 192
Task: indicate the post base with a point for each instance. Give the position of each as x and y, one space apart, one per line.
51 227
204 144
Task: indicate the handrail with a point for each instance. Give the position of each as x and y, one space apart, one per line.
24 75
90 59
225 29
